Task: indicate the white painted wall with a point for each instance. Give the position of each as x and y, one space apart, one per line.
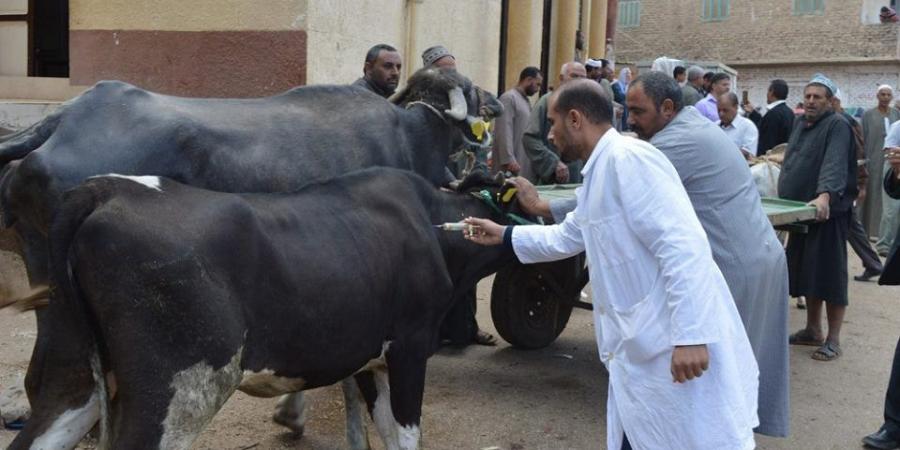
340 33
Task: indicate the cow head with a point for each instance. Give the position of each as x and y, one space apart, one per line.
454 98
497 195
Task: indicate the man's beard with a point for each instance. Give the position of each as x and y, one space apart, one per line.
640 132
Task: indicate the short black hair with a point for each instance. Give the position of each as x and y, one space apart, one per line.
732 98
529 72
373 52
659 87
678 71
719 77
708 75
587 97
779 89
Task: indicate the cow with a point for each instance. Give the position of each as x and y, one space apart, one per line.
180 296
274 144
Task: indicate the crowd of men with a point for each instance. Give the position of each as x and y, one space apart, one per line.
709 280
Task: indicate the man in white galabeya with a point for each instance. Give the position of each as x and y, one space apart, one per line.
667 327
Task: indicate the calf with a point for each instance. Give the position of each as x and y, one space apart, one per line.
183 295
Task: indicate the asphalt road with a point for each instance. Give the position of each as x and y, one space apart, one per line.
555 398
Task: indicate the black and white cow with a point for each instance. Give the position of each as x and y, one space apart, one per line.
183 295
274 144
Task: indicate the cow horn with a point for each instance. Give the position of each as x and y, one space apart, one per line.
400 96
458 108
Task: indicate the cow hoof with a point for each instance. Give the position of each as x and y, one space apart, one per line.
14 407
290 422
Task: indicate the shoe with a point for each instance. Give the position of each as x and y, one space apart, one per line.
881 440
867 275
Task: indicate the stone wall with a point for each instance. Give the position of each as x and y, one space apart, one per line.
755 32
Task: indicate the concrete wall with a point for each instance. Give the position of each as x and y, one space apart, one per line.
244 48
340 33
211 48
756 31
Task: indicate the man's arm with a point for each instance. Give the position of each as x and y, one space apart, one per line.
531 243
752 113
544 160
832 182
751 139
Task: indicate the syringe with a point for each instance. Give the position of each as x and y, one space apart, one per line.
455 226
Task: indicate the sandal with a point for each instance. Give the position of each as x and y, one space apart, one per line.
805 337
829 351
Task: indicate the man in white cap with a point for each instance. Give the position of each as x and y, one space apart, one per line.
876 122
438 56
820 169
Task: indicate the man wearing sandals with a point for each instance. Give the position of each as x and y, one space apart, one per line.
820 168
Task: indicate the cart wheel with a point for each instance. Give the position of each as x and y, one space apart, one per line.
525 311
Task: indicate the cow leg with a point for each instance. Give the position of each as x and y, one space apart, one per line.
69 404
290 412
144 420
407 387
382 414
354 406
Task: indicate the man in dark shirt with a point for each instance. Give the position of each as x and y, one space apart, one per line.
820 168
775 127
381 71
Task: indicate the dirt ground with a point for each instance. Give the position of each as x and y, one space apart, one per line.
504 399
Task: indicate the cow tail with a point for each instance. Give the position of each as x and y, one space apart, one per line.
78 204
19 144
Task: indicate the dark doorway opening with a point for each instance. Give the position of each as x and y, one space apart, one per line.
49 38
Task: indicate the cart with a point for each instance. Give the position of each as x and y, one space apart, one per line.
531 303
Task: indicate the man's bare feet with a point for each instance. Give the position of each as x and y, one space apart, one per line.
484 338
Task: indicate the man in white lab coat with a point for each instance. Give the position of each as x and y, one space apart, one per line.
662 309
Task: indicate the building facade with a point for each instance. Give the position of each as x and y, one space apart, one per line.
768 39
53 49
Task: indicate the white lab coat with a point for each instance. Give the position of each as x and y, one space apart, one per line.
655 286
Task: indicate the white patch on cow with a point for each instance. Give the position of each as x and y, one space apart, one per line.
150 181
382 414
68 429
379 362
409 437
290 411
355 406
266 384
200 391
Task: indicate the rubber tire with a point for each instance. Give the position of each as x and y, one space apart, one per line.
523 308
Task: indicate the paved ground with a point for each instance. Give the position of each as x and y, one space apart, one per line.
554 398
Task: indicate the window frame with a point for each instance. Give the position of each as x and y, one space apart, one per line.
633 10
808 7
709 6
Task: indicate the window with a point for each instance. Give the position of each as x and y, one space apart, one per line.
34 38
806 7
714 10
629 13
